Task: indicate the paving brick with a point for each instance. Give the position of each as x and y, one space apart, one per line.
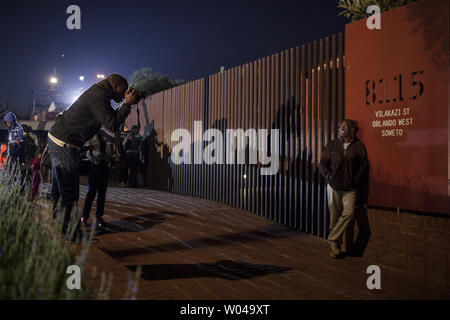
448 241
436 242
436 223
394 218
412 220
415 242
417 232
437 268
415 263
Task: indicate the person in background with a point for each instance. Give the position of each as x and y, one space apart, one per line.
97 179
344 165
133 147
15 137
29 152
77 125
3 155
36 176
120 137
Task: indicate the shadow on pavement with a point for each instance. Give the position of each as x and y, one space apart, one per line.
225 269
136 223
263 234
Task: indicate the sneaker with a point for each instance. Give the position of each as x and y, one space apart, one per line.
84 221
335 250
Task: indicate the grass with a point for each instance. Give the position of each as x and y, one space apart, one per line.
34 256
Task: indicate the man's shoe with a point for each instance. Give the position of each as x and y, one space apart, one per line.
335 250
100 222
334 256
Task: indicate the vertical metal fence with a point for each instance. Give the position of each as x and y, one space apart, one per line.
299 91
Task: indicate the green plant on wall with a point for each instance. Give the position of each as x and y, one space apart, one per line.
357 9
151 81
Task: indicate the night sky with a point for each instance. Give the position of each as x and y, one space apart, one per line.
184 39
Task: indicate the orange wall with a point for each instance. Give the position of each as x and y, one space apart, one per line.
403 68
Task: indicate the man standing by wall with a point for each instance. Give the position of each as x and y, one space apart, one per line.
344 165
76 126
133 147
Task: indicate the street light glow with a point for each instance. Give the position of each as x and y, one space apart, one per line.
81 78
100 76
75 98
53 80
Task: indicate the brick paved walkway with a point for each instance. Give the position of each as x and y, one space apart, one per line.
197 249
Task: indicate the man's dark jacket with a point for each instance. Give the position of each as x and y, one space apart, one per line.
84 118
133 143
344 171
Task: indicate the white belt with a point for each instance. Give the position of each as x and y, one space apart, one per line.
60 142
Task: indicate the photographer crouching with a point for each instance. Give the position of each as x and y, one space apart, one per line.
77 125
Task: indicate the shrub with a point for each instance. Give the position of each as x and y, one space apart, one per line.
357 9
33 256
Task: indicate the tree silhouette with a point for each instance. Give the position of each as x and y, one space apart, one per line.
151 81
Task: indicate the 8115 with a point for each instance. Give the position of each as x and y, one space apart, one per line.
384 91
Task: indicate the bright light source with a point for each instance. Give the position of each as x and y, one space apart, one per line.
245 176
81 78
53 80
100 76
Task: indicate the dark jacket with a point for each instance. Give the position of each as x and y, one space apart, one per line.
84 118
133 143
29 150
98 154
344 171
15 134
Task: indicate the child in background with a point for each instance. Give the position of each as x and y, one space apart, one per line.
97 179
15 137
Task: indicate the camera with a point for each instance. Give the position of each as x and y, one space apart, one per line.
138 93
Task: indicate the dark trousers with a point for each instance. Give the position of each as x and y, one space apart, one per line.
132 159
123 175
65 180
54 193
98 183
